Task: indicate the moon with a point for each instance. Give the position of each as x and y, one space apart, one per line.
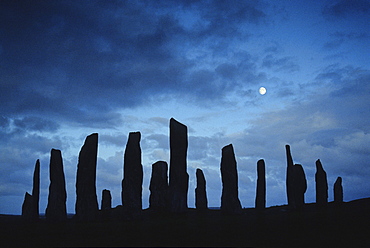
262 90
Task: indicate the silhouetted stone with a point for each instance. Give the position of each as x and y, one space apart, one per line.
30 207
289 177
36 190
158 199
27 207
261 185
133 175
106 204
229 200
86 200
56 209
179 178
321 184
299 186
201 202
338 191
106 200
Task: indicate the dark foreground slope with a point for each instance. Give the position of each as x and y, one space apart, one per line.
344 226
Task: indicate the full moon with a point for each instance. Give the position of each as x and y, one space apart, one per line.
262 90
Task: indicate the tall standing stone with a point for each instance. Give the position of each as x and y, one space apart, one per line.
133 175
261 185
229 199
56 209
289 177
158 199
201 202
299 186
86 199
338 191
321 184
30 206
179 178
36 190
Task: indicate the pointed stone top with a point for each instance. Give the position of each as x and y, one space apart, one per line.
177 123
319 165
37 166
229 147
289 156
92 136
199 173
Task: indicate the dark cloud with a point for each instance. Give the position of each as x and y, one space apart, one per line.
4 122
32 123
344 8
227 70
83 61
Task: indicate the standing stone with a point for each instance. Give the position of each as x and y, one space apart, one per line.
106 201
299 186
321 184
201 202
338 191
36 190
106 204
30 206
132 175
56 209
261 185
179 178
27 213
289 177
86 199
229 200
158 198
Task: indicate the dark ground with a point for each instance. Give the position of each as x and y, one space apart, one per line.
345 226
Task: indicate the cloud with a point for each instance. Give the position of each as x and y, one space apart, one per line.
344 8
338 38
116 139
83 68
33 123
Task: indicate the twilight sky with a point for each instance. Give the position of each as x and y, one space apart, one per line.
72 68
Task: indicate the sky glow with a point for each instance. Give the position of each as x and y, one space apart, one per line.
72 68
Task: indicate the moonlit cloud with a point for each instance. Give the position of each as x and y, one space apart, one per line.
72 68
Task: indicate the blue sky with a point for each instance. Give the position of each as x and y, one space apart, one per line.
72 68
